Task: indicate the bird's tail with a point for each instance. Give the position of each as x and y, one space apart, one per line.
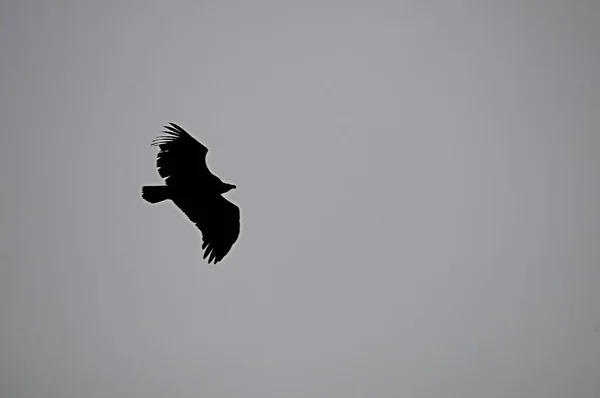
155 194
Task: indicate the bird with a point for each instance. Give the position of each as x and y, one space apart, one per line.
195 190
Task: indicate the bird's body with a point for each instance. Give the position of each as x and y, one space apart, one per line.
197 192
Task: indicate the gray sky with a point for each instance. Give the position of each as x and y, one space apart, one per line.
418 182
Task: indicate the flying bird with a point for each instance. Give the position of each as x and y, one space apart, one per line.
197 192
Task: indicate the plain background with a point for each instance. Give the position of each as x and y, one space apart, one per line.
419 185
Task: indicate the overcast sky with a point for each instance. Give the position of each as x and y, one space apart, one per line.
419 187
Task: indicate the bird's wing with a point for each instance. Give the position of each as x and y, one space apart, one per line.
181 157
219 221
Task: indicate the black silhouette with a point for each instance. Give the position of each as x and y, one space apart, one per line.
181 161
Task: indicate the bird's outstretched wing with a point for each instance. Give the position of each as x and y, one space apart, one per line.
219 221
181 157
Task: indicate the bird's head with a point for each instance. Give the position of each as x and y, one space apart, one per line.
228 187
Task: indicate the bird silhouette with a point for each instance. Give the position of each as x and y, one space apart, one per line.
197 192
